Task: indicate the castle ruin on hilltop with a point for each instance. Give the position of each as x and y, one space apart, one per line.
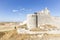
41 18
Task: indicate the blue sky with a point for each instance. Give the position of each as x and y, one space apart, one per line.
16 10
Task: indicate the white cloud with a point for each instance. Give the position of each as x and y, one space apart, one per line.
15 10
22 10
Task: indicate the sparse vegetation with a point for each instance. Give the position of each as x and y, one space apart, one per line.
13 35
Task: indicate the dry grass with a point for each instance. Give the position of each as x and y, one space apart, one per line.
37 29
13 35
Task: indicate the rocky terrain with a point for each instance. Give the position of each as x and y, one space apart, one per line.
13 35
7 34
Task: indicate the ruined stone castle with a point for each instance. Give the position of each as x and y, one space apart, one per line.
41 18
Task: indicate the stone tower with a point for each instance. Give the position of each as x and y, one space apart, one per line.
31 21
